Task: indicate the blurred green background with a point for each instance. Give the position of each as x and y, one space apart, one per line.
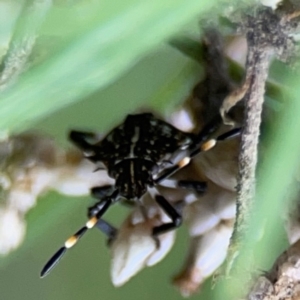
81 83
85 271
97 62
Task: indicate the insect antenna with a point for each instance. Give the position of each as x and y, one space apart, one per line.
72 240
196 150
229 134
69 243
207 130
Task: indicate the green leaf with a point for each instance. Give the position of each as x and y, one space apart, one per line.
95 57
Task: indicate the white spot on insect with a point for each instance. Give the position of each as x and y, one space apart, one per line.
91 222
132 172
134 140
71 241
110 138
185 161
166 130
208 145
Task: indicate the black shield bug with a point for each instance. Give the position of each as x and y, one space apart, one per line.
140 153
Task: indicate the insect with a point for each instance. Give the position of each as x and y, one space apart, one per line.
141 152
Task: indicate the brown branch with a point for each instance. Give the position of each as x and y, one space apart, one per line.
266 34
257 72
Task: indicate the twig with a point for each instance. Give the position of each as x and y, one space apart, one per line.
282 282
23 40
258 61
266 34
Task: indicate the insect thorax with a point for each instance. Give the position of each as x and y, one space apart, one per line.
136 148
133 176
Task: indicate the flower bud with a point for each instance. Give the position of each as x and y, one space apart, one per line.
206 254
135 248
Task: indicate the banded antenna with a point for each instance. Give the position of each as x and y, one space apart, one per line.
72 240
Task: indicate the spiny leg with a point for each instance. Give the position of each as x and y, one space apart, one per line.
70 242
171 212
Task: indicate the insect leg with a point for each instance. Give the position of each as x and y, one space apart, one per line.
196 186
171 212
70 242
101 191
199 187
109 230
80 139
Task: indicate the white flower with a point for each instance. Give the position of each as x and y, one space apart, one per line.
135 248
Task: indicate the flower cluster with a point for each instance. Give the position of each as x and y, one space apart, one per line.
32 164
209 218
